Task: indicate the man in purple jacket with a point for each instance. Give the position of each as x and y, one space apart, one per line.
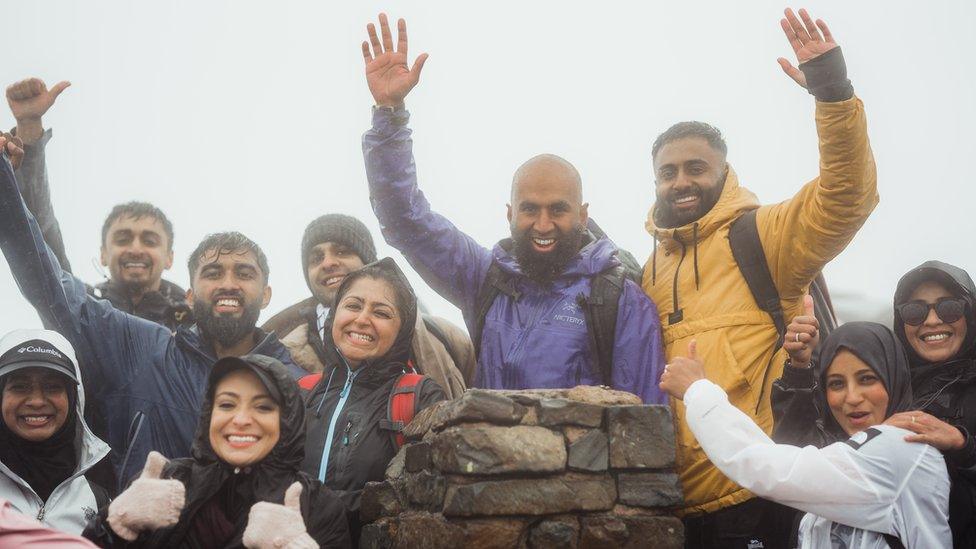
534 333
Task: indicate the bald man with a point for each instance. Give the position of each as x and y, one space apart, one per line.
529 303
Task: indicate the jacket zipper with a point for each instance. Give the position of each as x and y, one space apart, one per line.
327 446
40 514
345 434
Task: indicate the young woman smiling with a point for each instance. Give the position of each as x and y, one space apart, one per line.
867 487
935 319
242 487
46 449
367 346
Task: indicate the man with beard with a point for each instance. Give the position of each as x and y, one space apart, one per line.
149 380
696 281
333 246
536 331
137 238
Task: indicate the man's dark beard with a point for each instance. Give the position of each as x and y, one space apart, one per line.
225 330
666 217
546 267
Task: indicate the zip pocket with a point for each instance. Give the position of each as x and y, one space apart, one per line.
135 427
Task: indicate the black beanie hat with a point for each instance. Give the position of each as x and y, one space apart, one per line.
341 229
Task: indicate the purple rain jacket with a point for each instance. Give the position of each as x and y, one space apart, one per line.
538 341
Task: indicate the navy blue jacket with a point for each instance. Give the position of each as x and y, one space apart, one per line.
148 380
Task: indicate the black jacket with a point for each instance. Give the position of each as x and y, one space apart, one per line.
210 481
947 390
361 448
167 306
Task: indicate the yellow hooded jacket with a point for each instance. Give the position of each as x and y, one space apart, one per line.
693 271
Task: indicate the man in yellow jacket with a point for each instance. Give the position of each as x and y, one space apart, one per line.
693 277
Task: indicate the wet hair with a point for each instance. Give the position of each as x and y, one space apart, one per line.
138 210
401 287
692 128
228 243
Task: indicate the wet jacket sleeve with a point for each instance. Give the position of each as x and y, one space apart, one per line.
451 262
638 352
795 413
105 339
876 482
965 457
32 179
803 234
325 518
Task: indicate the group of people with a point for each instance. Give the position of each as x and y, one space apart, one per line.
202 429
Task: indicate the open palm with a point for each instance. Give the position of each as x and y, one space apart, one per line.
387 74
808 39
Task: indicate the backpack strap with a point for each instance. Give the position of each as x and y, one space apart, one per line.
600 312
441 336
401 406
497 281
749 255
893 541
308 382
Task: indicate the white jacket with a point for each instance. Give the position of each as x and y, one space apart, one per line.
853 491
72 502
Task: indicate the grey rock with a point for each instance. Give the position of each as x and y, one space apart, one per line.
417 457
649 489
489 449
630 532
555 533
379 499
535 496
560 411
641 437
590 452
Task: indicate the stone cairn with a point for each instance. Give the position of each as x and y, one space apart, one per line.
574 468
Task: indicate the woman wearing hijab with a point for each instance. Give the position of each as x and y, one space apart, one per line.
242 487
367 346
867 487
46 449
935 318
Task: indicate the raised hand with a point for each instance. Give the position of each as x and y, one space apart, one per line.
387 74
682 372
802 335
273 525
29 100
149 503
808 40
13 147
928 429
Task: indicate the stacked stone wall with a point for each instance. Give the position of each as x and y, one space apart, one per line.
576 468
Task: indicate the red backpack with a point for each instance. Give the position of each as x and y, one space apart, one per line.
401 405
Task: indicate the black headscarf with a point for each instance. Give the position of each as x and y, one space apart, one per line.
877 347
47 463
958 283
406 303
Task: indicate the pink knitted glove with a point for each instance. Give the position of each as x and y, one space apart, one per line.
274 526
149 503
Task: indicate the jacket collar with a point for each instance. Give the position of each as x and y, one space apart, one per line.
596 255
733 202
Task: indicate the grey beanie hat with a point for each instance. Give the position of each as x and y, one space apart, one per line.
341 229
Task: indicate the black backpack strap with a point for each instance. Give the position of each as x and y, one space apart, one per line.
438 333
600 312
497 281
823 307
893 541
749 255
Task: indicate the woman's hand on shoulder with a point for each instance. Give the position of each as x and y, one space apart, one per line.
150 503
273 525
928 429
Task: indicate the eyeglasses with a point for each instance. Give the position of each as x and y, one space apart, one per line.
949 310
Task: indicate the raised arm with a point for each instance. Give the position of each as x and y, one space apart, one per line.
802 234
449 260
794 396
102 336
29 100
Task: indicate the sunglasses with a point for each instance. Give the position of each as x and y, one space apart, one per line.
948 309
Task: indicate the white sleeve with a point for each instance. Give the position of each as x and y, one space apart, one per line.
826 482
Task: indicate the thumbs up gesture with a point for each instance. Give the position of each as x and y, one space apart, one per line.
273 525
149 503
681 372
802 336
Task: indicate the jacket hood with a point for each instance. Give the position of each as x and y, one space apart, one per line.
878 347
289 451
958 282
733 202
596 255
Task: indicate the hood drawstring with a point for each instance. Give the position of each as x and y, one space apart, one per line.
318 409
694 243
654 261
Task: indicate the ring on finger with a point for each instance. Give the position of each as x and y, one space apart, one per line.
797 337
